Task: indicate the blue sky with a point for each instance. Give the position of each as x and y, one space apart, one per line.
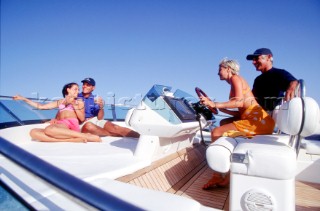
129 45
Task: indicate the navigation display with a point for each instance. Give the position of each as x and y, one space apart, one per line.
181 108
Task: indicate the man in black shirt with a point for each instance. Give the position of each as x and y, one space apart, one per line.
273 84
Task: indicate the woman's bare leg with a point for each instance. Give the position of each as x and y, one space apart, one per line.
218 179
38 134
228 120
218 131
60 131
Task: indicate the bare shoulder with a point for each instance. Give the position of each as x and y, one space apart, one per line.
235 79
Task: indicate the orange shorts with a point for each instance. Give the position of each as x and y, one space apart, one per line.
255 121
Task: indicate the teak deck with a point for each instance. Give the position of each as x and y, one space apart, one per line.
185 172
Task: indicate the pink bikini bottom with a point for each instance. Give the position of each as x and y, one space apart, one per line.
71 123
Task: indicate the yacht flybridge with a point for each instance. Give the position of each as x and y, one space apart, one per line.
166 167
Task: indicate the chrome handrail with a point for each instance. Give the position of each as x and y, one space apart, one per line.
301 89
301 94
78 188
295 140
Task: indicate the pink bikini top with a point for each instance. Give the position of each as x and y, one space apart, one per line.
63 107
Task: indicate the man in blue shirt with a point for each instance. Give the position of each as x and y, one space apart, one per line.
270 86
94 114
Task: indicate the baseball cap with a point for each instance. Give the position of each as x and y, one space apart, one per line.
89 81
258 52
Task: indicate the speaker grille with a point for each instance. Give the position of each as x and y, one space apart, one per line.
255 200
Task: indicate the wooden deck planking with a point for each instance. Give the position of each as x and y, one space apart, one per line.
307 196
186 172
215 198
183 174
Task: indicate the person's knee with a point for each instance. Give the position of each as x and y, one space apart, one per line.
89 126
216 132
34 133
111 126
50 130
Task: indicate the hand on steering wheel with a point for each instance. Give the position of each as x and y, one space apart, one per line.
201 93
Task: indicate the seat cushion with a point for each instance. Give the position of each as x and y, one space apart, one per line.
264 156
218 154
299 115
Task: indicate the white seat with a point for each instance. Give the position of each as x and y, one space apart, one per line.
265 166
300 116
218 154
312 143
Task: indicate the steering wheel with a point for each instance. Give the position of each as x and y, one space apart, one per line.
201 93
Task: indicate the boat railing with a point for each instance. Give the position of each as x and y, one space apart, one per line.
295 140
66 182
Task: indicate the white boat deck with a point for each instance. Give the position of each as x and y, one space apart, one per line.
111 164
112 158
97 163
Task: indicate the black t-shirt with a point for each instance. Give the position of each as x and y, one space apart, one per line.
269 87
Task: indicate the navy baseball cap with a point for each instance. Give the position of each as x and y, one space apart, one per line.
89 81
258 52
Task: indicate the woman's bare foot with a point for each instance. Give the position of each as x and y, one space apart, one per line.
80 140
225 182
213 182
93 138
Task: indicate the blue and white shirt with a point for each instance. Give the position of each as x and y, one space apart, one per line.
91 108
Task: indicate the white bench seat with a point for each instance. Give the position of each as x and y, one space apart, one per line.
265 166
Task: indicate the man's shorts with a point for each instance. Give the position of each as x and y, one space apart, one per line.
95 121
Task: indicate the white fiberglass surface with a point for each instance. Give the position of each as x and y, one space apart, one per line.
111 158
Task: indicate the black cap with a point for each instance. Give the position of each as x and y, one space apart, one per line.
258 52
89 81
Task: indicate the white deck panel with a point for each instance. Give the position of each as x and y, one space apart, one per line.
111 158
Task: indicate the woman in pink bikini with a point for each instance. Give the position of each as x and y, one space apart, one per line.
65 128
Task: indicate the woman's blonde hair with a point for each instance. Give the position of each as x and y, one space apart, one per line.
232 64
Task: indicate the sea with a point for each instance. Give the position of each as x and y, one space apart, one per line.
8 201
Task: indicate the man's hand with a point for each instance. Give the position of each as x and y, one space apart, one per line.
100 102
291 89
